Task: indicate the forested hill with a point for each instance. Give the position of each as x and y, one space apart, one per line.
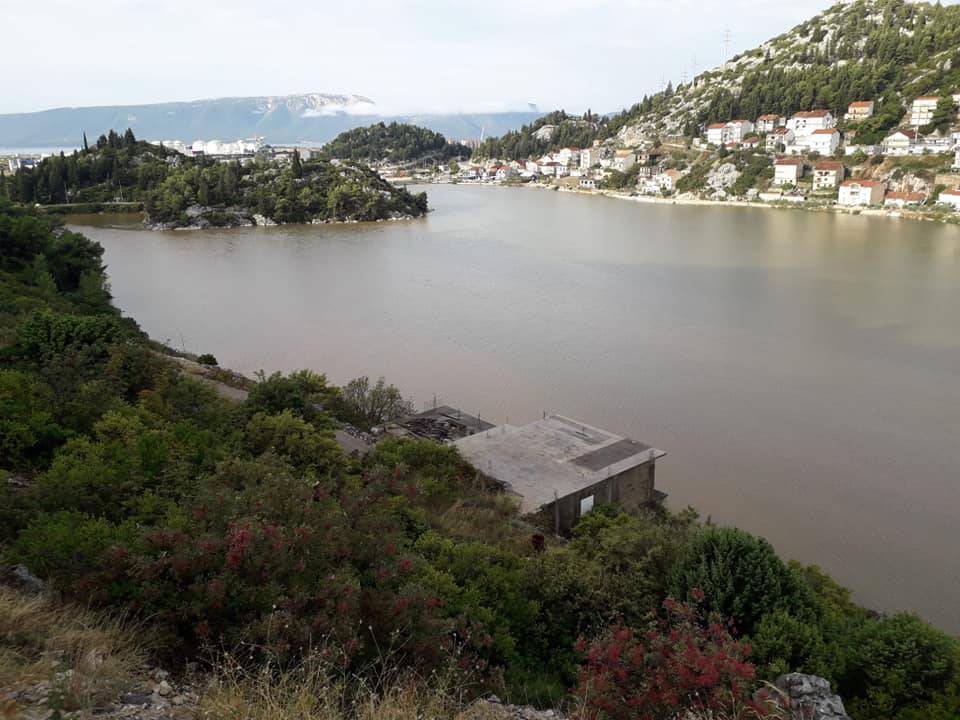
396 142
179 191
889 51
551 132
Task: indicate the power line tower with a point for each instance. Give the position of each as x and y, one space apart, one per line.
727 37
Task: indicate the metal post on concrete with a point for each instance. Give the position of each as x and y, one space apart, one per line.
556 513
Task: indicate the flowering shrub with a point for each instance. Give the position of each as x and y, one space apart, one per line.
687 663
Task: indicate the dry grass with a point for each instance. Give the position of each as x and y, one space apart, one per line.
62 656
310 693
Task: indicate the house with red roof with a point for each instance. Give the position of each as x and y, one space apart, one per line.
787 170
859 111
950 197
827 175
854 193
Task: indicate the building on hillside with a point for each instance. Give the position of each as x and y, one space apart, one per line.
559 468
825 141
805 123
718 134
588 183
861 192
827 175
899 141
938 143
921 111
768 123
567 156
950 197
749 143
865 149
859 111
956 160
591 156
779 138
787 170
623 160
737 130
902 199
442 424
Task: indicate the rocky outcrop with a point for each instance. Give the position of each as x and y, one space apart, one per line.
492 709
804 697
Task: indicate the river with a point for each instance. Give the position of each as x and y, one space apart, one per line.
802 370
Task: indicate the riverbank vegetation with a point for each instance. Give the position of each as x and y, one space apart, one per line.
179 191
242 526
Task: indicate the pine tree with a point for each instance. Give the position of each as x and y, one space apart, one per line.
296 166
86 147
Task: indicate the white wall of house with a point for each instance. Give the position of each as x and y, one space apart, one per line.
854 194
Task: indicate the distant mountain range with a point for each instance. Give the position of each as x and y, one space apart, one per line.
307 118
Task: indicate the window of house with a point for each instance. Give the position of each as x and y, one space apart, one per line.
586 504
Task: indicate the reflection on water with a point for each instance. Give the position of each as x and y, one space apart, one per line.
801 369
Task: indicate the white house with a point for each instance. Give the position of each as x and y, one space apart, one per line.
591 156
899 141
827 175
825 141
806 122
858 111
861 192
921 112
950 197
567 156
902 199
787 171
768 123
623 160
737 130
748 143
779 136
506 172
587 183
718 134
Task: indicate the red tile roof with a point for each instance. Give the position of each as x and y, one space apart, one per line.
769 117
788 161
828 166
929 97
952 193
861 104
910 196
812 114
716 126
825 131
861 183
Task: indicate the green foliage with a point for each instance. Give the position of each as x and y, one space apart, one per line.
295 439
570 131
742 577
396 142
207 359
28 430
374 403
304 392
895 665
219 194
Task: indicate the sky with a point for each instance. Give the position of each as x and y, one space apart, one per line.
406 55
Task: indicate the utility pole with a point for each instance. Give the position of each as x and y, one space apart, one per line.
727 37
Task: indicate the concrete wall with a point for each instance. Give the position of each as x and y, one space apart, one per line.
630 489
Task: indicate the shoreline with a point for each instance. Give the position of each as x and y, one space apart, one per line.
880 212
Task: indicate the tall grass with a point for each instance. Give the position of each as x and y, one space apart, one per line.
61 656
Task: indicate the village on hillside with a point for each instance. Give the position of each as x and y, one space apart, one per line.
810 157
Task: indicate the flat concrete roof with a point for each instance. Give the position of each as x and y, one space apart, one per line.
552 458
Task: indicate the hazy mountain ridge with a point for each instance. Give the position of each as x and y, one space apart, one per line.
308 118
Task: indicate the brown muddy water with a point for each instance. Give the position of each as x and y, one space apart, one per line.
801 369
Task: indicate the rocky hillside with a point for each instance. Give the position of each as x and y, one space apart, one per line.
889 51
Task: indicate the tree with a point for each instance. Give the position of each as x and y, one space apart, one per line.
86 146
741 576
689 665
375 404
296 166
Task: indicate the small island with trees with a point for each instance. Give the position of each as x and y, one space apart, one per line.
175 191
